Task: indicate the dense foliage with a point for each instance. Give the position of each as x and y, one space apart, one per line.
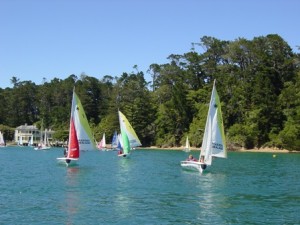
258 82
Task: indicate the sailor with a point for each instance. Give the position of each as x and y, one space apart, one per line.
191 158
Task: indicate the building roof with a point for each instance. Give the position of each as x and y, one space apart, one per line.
27 127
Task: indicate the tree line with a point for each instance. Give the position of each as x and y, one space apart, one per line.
257 81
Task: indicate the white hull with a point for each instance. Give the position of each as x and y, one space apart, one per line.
67 161
42 148
193 165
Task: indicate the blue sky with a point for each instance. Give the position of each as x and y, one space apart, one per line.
56 38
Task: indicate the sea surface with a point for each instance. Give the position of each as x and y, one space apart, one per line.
150 187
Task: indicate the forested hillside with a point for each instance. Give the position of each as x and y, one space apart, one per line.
257 81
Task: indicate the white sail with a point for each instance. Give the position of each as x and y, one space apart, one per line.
213 144
30 143
2 142
187 145
46 143
20 142
102 143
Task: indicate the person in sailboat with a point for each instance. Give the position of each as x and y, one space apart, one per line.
191 158
65 152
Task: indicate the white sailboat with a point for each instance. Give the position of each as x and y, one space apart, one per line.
30 142
2 142
80 135
102 143
213 143
129 137
20 141
187 147
44 144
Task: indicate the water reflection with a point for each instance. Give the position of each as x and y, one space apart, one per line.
72 200
122 200
210 199
72 176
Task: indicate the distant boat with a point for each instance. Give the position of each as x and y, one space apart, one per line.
187 147
129 138
114 142
2 141
30 142
102 143
20 141
213 143
80 135
44 144
120 144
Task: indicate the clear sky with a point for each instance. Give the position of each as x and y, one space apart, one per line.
56 38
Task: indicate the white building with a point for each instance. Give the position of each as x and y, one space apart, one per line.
24 133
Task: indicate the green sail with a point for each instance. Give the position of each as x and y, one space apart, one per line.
126 144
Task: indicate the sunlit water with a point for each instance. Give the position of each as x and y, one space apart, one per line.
148 188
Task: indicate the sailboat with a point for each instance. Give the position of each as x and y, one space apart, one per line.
80 135
213 143
2 142
114 141
129 137
187 145
44 144
30 142
102 143
20 141
120 144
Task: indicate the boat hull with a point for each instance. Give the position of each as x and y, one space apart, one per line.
123 155
67 161
42 148
193 165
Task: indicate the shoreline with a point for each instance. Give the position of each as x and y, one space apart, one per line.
263 150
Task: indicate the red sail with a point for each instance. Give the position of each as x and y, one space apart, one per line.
73 151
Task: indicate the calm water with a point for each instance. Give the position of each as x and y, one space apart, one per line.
148 188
